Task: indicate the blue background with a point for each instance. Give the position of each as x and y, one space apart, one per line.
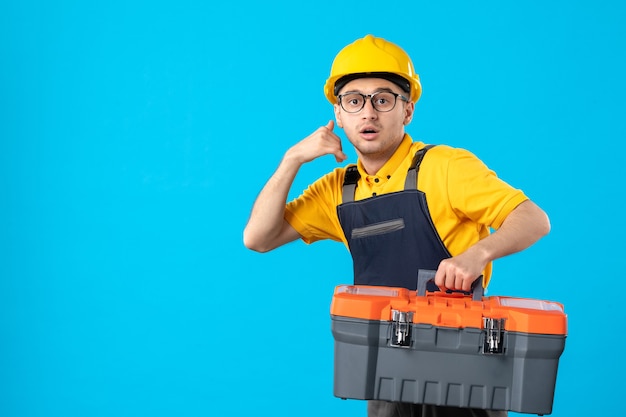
135 135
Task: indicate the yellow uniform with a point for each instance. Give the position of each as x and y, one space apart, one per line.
465 198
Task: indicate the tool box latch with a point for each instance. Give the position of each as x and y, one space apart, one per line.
401 328
494 335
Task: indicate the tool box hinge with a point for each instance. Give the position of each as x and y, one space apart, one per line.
494 336
401 328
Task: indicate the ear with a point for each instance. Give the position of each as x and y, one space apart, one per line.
409 109
337 110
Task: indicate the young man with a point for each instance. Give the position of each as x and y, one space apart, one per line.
404 206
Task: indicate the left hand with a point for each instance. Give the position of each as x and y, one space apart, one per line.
526 224
459 272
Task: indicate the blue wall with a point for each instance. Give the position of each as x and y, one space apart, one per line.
134 137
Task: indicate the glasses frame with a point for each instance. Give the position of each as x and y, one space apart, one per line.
371 97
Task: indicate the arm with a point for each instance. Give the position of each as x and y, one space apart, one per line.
267 228
525 225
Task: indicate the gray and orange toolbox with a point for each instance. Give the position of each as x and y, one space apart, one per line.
449 349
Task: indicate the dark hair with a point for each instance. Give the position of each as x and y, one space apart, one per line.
401 82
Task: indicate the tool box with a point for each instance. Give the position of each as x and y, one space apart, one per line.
449 349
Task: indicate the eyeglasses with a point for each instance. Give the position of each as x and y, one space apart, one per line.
383 101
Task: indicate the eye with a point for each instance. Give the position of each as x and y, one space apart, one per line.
352 100
384 98
381 100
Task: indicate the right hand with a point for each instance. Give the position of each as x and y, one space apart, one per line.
321 142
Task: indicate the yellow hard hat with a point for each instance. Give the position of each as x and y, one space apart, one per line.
372 57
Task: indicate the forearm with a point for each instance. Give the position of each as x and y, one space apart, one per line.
267 228
525 225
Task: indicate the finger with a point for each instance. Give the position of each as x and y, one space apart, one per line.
340 156
451 281
440 278
467 285
459 282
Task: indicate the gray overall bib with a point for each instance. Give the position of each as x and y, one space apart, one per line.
390 238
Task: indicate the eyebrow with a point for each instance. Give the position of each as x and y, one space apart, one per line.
378 90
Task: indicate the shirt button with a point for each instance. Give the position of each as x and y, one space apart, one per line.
376 180
373 194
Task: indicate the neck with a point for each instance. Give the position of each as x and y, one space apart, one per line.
372 166
372 163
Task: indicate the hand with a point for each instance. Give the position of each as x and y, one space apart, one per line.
321 142
459 272
522 227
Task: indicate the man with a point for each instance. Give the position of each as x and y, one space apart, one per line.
404 206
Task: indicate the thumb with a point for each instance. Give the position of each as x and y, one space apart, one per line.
330 125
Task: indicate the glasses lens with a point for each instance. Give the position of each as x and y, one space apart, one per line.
384 101
352 102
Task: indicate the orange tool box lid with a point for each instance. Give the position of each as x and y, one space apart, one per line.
454 310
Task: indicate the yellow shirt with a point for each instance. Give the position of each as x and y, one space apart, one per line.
465 198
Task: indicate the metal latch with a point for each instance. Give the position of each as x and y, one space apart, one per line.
494 335
401 328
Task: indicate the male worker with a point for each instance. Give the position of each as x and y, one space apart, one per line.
404 206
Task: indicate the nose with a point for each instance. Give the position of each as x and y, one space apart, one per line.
368 111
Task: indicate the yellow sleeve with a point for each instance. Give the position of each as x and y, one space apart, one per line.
314 213
476 192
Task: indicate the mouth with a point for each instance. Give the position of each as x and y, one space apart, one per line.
369 132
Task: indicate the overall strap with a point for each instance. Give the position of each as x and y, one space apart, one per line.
349 183
411 176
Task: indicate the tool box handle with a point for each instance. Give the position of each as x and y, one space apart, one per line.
424 276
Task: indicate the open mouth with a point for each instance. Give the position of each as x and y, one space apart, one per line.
369 130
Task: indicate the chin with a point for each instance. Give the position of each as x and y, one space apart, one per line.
370 146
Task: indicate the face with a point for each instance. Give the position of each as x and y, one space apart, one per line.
374 134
